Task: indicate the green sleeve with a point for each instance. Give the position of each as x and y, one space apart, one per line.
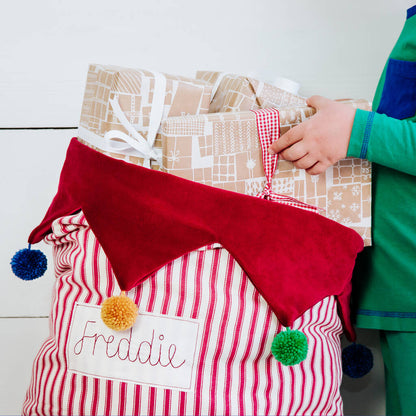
384 140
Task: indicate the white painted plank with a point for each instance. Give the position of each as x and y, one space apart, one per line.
20 341
332 48
30 164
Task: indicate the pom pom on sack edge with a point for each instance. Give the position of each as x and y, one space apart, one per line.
290 347
28 264
119 313
357 360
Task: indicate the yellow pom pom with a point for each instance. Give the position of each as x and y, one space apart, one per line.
119 312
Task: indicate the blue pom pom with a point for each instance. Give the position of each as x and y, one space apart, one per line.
357 360
29 264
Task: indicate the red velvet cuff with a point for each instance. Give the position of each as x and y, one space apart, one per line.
144 219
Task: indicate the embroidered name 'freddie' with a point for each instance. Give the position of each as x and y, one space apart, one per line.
159 350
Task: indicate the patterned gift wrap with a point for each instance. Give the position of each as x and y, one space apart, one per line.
239 93
200 346
133 102
223 150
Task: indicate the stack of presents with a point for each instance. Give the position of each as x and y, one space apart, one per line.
169 196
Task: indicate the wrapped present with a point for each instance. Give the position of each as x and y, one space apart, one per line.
123 108
233 92
224 150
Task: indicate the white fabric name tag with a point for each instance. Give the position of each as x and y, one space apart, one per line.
159 350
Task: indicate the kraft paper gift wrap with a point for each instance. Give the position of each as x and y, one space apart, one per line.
123 108
233 92
223 150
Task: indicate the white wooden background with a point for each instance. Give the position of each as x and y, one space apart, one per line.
334 48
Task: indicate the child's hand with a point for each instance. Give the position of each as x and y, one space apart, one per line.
320 141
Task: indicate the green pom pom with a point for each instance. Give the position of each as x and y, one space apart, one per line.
290 347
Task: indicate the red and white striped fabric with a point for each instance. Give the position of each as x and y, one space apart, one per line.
268 128
227 367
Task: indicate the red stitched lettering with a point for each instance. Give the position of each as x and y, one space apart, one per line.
154 352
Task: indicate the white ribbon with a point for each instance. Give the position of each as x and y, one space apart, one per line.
217 83
287 85
139 143
134 143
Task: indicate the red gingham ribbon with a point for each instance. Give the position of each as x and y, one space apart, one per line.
268 127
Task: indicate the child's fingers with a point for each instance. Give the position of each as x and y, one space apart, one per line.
294 152
317 168
306 162
292 136
318 102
